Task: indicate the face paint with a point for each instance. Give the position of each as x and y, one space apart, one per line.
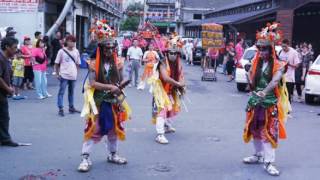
264 53
172 56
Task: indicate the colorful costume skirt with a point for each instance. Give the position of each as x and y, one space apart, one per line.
110 117
263 124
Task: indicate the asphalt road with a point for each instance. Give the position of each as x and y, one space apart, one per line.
207 145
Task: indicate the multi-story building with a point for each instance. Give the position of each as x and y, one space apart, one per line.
194 10
174 15
28 16
162 14
298 18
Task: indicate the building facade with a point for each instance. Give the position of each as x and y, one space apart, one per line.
28 16
162 14
298 18
195 10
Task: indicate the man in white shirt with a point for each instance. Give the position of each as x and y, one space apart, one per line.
291 56
134 56
189 52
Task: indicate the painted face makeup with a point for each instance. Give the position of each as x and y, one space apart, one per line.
172 56
264 52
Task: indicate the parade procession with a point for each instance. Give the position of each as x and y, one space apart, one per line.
159 89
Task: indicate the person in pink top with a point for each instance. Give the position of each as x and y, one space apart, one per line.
126 43
26 51
143 44
159 43
239 51
39 63
291 57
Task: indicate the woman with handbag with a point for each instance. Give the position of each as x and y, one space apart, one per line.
39 66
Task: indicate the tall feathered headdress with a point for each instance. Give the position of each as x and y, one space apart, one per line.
102 30
270 35
105 36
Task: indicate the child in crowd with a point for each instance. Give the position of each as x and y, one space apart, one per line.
18 74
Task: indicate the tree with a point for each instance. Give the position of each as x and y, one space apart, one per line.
131 23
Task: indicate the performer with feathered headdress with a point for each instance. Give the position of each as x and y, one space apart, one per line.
268 105
105 109
167 87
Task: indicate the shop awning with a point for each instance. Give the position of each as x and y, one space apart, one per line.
234 18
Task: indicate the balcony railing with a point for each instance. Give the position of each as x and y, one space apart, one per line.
106 5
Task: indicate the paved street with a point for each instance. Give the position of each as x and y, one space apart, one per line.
207 146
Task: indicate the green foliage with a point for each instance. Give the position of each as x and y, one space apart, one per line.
130 24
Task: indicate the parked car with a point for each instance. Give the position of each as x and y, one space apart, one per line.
241 78
198 53
248 55
312 86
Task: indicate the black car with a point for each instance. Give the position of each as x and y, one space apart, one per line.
198 53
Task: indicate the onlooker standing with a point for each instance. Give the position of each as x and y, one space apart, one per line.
56 46
37 36
291 56
230 61
47 47
40 62
311 52
26 51
134 56
189 52
18 74
126 43
143 44
8 50
239 51
307 58
67 65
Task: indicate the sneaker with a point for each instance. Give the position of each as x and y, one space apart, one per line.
61 112
85 164
73 110
271 169
48 95
116 159
255 159
18 97
130 85
41 97
54 73
169 130
141 86
161 139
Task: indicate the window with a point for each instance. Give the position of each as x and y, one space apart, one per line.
197 16
269 5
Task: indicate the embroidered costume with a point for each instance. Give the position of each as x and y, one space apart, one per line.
166 86
105 110
268 105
